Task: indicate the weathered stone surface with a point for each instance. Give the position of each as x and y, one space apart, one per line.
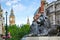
43 27
42 38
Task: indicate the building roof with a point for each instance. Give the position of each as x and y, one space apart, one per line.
52 3
12 12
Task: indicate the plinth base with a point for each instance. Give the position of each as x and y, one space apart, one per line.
41 38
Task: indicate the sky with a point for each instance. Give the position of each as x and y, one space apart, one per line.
22 9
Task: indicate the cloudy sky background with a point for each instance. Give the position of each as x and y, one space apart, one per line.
22 9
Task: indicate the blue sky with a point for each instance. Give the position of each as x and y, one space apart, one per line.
22 9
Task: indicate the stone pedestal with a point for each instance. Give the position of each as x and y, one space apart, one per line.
41 38
1 38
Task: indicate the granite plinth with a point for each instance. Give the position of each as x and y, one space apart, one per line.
41 38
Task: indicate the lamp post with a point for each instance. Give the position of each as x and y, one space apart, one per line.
6 26
7 33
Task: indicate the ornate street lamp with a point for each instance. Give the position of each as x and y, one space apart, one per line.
6 25
7 34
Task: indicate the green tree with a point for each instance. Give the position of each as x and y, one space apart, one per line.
25 30
18 32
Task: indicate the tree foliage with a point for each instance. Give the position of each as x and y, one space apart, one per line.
18 32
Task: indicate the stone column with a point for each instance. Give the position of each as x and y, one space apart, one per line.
54 6
53 19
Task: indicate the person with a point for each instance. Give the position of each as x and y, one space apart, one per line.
8 36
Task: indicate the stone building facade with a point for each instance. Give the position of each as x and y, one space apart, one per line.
52 10
1 21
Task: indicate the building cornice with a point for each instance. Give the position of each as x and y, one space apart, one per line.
53 3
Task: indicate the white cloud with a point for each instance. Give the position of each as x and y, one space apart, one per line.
2 0
34 3
21 11
26 11
8 3
49 1
12 2
4 10
19 7
15 1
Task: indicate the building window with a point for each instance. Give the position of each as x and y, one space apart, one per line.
51 9
58 7
51 19
0 15
57 19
